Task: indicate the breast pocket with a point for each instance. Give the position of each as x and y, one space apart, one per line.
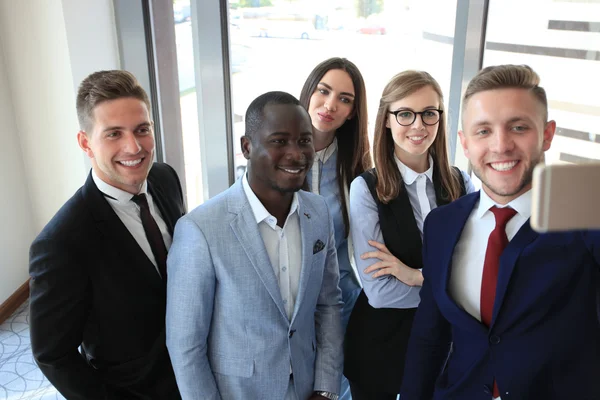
233 366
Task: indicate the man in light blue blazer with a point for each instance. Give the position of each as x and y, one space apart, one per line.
253 303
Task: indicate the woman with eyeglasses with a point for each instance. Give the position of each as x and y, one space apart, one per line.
388 206
335 97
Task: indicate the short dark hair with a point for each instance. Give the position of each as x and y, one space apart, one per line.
256 110
103 86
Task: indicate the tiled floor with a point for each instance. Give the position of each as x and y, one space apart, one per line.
20 377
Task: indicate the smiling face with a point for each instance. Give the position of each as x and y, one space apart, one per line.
413 141
332 102
121 143
504 137
281 151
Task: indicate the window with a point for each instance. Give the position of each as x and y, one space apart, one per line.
274 45
560 40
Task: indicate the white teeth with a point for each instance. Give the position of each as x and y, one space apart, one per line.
131 163
416 138
503 166
292 171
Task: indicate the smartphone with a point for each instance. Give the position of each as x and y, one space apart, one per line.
566 197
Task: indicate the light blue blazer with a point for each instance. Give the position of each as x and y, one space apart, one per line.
227 331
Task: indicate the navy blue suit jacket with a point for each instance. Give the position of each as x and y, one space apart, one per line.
544 339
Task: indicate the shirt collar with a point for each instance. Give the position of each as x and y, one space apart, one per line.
120 195
409 176
324 154
522 204
258 209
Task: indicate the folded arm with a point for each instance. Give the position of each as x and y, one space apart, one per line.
190 297
383 291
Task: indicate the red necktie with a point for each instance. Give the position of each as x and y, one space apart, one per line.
153 234
496 244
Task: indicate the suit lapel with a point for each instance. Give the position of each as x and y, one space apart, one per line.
246 231
305 211
508 260
116 234
445 244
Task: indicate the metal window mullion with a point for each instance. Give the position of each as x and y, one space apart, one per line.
164 74
467 59
211 65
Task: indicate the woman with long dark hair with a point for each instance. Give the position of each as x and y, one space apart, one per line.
335 97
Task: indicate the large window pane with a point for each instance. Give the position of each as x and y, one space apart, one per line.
275 45
188 102
560 40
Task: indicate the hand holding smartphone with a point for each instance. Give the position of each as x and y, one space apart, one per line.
566 197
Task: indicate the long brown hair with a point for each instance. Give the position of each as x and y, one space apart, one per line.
389 180
354 155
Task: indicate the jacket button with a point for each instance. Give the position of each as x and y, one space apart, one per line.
292 333
494 339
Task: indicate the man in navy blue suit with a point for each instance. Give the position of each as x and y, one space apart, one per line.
505 312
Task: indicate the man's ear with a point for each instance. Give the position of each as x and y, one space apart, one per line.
463 143
84 143
246 144
549 131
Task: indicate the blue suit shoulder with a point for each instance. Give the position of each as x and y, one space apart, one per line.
221 208
440 214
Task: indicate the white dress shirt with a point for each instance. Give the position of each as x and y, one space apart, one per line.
284 246
469 253
420 193
129 213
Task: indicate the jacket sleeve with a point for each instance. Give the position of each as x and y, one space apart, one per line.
190 298
58 314
430 337
328 323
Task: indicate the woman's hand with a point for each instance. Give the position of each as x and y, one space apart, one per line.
390 265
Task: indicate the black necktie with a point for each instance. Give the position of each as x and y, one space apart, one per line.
153 234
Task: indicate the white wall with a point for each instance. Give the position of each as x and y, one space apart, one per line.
92 37
16 226
49 46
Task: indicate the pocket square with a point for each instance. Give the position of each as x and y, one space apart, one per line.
318 246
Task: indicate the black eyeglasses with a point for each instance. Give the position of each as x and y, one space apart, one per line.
407 117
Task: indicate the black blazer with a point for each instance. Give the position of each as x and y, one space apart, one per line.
92 285
376 338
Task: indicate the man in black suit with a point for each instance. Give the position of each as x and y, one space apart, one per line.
98 269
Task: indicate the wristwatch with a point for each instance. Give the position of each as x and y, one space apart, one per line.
328 395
